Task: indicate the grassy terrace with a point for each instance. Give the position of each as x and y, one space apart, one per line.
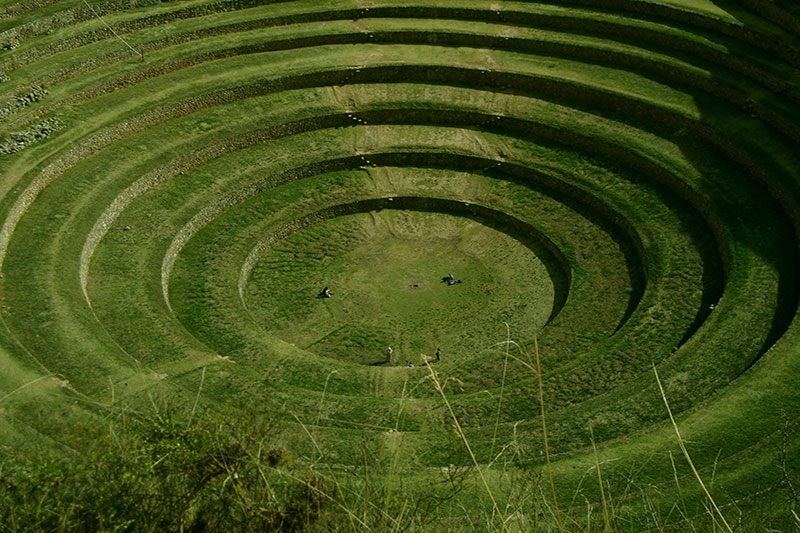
616 185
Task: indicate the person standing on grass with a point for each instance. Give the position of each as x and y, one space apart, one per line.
438 354
389 354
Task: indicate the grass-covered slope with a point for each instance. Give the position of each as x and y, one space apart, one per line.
615 183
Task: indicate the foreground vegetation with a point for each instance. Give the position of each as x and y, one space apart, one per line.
172 467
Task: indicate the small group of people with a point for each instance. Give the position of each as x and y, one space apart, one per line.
389 357
450 279
409 363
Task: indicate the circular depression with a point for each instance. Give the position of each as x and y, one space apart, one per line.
385 270
386 262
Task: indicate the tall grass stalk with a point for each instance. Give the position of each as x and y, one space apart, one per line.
197 398
258 463
686 453
544 433
28 384
333 500
675 475
322 398
350 514
502 389
600 482
537 369
469 448
395 455
96 14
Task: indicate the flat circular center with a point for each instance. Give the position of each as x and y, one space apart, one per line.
387 275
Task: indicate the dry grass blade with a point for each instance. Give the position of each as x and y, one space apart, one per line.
469 448
686 453
96 14
600 482
502 389
4 398
350 514
197 398
395 458
322 398
544 434
328 497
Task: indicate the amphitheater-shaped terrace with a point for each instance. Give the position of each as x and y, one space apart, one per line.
615 183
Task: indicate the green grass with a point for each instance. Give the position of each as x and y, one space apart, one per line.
618 182
386 272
